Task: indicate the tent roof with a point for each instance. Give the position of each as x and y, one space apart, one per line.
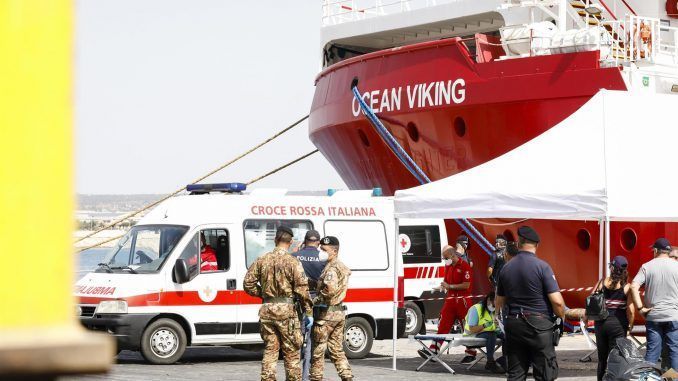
614 156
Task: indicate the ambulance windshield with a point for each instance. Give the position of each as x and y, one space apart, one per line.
143 249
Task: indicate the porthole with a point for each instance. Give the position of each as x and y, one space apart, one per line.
459 126
363 138
413 131
583 239
628 239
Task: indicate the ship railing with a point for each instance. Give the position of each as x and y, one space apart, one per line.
336 12
640 39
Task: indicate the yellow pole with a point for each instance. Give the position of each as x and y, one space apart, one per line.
38 330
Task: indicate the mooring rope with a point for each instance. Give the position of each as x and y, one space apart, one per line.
221 167
248 183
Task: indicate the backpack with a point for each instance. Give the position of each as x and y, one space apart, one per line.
595 304
625 363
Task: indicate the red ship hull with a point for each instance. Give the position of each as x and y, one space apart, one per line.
503 105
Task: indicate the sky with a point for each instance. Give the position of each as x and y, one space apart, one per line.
167 90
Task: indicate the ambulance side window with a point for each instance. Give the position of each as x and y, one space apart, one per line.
215 255
190 255
260 235
420 244
363 243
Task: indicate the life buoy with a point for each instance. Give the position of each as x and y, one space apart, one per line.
672 8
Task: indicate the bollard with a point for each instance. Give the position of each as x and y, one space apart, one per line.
39 334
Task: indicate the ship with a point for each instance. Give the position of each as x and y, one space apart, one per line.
461 82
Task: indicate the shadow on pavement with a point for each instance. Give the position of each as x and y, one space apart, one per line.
568 362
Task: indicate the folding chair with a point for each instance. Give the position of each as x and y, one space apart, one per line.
433 356
479 344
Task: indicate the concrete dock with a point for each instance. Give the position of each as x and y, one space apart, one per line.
224 363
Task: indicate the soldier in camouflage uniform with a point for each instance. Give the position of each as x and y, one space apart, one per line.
328 332
278 278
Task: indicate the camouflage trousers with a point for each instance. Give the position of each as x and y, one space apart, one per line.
285 335
329 335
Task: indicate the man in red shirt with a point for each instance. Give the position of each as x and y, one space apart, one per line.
457 285
208 256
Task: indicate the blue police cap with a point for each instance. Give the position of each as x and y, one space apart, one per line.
528 233
662 244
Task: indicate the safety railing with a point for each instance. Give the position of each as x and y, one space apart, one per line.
340 11
639 39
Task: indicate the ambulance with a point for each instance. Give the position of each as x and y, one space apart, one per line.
155 295
421 242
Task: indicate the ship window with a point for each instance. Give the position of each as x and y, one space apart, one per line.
583 239
459 126
363 138
628 239
413 131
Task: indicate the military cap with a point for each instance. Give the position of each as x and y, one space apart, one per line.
330 240
462 239
500 236
662 244
528 233
285 229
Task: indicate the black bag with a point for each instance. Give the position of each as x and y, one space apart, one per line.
595 305
625 363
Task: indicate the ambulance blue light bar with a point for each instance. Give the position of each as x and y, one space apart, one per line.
221 187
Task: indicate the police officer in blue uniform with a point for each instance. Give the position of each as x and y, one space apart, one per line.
529 295
313 263
309 256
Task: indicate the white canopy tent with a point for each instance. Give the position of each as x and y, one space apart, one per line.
613 159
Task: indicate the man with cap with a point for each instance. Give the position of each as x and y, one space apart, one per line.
328 331
278 279
497 260
462 247
313 264
457 287
660 307
528 293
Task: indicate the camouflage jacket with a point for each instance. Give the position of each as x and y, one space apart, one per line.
332 287
278 275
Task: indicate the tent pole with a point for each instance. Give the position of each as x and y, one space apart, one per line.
607 245
601 248
395 290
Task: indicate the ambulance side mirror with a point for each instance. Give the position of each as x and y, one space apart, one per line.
181 274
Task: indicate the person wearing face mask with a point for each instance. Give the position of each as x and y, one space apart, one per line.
480 322
328 331
313 261
497 260
457 287
462 247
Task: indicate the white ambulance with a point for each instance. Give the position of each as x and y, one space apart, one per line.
421 242
154 295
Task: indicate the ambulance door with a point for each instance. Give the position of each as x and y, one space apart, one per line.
259 235
209 299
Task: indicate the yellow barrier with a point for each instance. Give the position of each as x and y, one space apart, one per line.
38 330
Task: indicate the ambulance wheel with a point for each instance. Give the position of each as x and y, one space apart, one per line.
413 319
163 342
358 338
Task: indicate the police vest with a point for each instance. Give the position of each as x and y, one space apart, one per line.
483 319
